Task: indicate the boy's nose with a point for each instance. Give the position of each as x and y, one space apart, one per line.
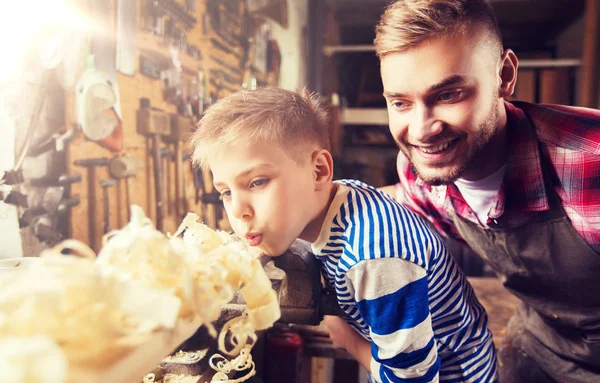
241 209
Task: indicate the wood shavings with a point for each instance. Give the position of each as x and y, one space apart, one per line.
172 378
143 288
240 363
186 357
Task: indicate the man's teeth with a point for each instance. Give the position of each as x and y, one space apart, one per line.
435 149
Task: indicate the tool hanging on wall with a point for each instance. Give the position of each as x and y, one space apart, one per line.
105 185
91 164
181 130
154 124
56 142
125 168
165 155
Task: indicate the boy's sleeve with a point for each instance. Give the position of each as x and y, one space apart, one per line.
392 298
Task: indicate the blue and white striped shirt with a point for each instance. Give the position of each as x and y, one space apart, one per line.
403 291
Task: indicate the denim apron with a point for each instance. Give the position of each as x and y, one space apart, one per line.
555 333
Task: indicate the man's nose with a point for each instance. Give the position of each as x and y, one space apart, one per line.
424 124
241 208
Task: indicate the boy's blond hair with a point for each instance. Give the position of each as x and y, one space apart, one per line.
295 121
407 23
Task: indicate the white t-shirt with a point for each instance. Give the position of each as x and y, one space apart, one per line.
480 194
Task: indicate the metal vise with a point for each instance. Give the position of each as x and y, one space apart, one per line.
302 297
296 278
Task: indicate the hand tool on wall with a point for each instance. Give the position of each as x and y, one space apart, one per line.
236 70
62 180
45 200
125 168
91 164
67 204
181 130
13 197
165 154
216 43
154 124
45 230
56 142
187 165
107 184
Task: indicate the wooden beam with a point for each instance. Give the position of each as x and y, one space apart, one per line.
590 75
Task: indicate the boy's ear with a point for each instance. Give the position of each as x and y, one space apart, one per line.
509 65
322 163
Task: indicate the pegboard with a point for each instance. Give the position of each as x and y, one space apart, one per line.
131 89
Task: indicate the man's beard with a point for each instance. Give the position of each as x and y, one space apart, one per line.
481 140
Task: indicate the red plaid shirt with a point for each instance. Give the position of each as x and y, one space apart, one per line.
571 138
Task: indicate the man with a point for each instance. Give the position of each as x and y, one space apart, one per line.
518 182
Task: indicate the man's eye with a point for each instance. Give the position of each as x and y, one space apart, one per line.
224 194
399 105
450 96
259 182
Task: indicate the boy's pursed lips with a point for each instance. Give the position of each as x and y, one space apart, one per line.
253 239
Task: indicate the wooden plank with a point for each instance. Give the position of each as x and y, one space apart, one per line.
525 89
554 86
590 76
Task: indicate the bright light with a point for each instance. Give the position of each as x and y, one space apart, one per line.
26 25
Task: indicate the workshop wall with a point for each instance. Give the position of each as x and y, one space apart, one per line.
224 69
170 57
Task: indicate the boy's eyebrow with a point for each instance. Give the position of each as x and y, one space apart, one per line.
243 174
452 80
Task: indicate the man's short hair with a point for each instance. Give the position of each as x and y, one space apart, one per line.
407 23
295 121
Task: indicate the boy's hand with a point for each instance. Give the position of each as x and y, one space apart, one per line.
340 332
345 337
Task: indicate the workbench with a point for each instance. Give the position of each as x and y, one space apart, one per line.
499 303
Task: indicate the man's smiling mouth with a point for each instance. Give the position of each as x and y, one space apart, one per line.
438 148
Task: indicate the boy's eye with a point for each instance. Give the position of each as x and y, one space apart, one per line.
259 182
224 194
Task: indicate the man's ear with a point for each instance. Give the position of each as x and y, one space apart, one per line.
509 64
322 163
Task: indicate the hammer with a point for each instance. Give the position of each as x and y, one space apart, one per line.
181 130
106 184
91 164
165 153
125 168
155 123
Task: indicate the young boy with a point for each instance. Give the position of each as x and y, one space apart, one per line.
416 314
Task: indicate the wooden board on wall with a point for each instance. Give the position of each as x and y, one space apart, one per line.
554 86
525 88
132 88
